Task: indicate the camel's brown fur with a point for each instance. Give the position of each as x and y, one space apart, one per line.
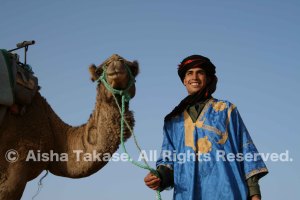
41 129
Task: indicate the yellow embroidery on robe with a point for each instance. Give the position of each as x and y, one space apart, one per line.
225 134
204 145
189 125
219 106
224 138
189 128
213 129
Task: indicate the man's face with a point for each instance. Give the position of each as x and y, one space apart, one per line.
194 80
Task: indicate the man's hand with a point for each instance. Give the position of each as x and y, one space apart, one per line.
152 181
255 197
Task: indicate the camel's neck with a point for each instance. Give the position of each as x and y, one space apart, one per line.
88 144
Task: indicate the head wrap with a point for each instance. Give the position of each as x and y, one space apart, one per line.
196 61
201 96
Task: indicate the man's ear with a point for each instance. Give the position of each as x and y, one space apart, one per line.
134 68
95 72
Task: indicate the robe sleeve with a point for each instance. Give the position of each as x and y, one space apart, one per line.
165 162
167 149
252 163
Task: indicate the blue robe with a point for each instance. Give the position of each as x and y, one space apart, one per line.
199 153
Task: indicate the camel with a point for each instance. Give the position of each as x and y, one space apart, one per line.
41 132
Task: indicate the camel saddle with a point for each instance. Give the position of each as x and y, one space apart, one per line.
18 85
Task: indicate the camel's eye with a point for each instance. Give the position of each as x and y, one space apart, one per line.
99 71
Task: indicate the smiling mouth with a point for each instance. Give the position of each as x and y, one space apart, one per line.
195 84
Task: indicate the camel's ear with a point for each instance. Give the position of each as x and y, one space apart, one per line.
95 72
134 67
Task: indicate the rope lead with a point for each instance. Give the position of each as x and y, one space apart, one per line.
126 98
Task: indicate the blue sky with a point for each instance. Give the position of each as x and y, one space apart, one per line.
254 45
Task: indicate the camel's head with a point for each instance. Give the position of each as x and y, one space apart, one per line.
117 71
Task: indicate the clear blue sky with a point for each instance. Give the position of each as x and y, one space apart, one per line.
254 44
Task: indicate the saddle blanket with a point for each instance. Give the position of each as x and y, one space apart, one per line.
7 82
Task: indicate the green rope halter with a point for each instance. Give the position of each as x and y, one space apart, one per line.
124 92
126 98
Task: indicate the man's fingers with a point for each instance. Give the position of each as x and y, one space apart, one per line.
150 177
152 181
154 188
154 185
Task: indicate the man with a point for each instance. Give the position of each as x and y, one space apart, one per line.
221 162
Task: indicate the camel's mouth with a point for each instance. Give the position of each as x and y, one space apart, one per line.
117 80
115 73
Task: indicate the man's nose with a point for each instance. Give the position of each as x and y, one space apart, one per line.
194 75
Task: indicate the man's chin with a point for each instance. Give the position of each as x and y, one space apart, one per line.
194 92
